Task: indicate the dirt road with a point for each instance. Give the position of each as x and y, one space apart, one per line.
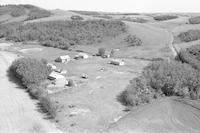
18 112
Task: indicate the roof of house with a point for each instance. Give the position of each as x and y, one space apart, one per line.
55 75
64 57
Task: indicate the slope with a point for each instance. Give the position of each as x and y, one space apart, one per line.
169 115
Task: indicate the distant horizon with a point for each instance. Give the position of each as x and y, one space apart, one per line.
120 6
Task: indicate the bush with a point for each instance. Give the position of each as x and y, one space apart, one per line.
190 35
36 13
103 16
101 52
191 56
135 93
18 11
62 34
137 20
49 105
133 40
194 20
161 77
76 18
164 17
13 10
30 71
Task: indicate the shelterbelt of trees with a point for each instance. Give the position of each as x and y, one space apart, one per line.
180 77
62 34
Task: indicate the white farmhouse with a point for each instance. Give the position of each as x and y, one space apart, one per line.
63 59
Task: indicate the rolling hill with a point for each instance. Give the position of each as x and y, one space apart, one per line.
170 115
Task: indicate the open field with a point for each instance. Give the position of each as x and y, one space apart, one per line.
169 115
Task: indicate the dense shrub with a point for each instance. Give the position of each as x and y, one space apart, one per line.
164 17
36 13
103 16
190 35
13 10
137 20
76 18
133 40
101 52
191 56
30 71
161 77
62 34
90 13
194 20
49 105
19 10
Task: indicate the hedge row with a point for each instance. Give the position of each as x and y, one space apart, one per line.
31 73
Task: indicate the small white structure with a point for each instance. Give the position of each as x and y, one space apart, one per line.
117 62
64 58
55 76
82 56
59 79
52 66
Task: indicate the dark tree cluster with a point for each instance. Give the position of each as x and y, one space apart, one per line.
164 17
30 71
162 78
62 34
191 56
76 18
19 10
194 20
137 20
13 10
190 35
36 13
133 40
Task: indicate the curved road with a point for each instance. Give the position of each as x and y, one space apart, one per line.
18 112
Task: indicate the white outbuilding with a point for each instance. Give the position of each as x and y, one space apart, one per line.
82 56
63 59
117 62
59 79
54 76
52 66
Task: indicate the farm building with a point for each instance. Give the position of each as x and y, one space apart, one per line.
54 76
117 62
60 80
52 66
81 56
63 59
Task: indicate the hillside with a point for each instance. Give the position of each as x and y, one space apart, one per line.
170 115
20 13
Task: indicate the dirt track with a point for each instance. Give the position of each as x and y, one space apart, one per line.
18 112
